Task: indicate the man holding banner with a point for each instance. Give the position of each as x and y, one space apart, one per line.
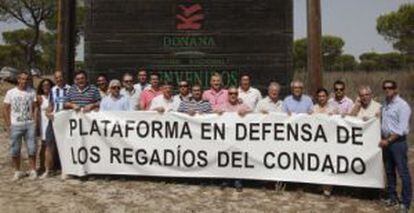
196 104
395 116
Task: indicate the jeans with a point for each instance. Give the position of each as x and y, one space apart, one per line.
20 132
395 159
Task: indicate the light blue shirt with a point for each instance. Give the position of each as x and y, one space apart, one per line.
395 117
110 103
302 105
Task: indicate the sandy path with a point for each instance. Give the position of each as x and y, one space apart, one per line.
130 194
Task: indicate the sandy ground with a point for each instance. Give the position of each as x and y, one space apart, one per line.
133 194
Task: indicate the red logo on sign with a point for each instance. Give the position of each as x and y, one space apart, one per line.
190 17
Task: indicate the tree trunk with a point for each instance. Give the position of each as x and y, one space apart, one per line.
31 54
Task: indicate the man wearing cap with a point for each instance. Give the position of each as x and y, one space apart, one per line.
114 101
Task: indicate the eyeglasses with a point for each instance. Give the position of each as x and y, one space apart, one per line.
339 89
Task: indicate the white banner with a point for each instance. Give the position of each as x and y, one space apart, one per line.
300 148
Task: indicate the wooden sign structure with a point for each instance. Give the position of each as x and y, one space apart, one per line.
191 39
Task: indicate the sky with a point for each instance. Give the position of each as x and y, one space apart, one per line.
352 20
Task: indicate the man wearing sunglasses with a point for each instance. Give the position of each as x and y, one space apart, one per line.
340 103
114 101
130 92
395 126
183 94
233 104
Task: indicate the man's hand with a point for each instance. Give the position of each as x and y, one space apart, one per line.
383 143
219 111
160 110
50 116
191 112
243 112
88 108
76 108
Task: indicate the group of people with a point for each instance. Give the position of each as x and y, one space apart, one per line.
27 111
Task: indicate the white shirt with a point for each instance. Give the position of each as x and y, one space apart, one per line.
21 102
250 97
268 105
141 88
133 98
177 99
372 110
160 101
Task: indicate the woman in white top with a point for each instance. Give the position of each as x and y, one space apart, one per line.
43 96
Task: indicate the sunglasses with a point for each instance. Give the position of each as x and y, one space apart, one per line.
233 93
339 89
183 85
388 88
115 87
128 81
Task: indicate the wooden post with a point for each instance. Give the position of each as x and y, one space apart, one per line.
59 41
314 45
65 49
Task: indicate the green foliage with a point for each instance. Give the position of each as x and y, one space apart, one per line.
386 61
332 48
345 62
398 28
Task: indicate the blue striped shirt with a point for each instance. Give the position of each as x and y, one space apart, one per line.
89 95
202 106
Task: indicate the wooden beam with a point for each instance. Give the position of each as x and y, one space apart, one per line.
314 65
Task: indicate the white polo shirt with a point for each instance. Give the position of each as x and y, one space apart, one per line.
250 97
268 105
160 101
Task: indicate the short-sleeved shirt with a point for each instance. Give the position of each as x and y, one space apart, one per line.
371 111
216 98
201 106
89 95
146 97
268 105
250 97
343 106
58 97
161 101
110 103
303 104
177 99
133 98
141 87
21 102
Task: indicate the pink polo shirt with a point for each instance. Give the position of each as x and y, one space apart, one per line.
146 97
216 99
